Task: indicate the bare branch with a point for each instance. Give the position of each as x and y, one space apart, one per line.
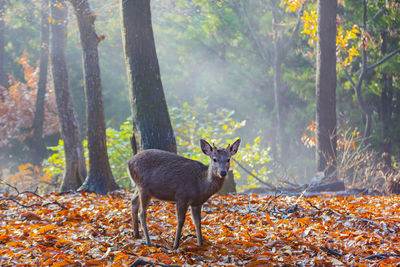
249 172
349 77
383 60
254 34
376 14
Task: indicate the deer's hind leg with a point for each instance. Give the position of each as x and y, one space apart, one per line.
135 210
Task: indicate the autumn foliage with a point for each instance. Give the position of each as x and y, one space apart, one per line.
17 107
92 230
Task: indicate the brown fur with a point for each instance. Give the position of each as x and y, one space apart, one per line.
167 176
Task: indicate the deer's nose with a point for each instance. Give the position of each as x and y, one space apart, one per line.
223 173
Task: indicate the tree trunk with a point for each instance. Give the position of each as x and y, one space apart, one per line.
326 86
75 168
38 149
283 144
149 107
3 74
100 179
386 108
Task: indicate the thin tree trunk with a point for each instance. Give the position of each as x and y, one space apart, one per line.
282 44
367 110
38 149
326 86
283 144
386 107
3 74
149 107
100 179
75 168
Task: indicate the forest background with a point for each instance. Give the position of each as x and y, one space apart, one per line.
218 71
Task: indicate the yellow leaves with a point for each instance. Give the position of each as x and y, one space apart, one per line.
310 24
345 48
293 5
344 45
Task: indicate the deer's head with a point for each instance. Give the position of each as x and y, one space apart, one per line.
220 157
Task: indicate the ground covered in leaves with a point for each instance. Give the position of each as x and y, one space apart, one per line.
92 230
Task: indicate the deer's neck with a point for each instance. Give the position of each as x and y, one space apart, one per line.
213 183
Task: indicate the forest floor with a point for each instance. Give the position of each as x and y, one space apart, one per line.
91 230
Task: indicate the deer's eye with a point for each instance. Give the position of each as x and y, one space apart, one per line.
215 160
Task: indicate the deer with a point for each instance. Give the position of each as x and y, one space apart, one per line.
169 177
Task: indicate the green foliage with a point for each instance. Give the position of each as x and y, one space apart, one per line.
119 151
193 122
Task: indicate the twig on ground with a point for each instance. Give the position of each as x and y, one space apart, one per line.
345 216
13 198
382 256
35 204
140 262
331 251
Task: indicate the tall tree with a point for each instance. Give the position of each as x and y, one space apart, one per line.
100 179
38 148
366 70
3 76
149 107
326 86
75 168
386 108
281 42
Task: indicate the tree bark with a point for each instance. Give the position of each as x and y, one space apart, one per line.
149 107
75 168
38 149
326 87
100 179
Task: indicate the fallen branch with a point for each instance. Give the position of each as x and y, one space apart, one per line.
382 256
140 262
35 204
13 198
331 251
344 216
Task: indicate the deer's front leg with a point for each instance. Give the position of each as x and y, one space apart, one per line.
196 216
181 209
144 202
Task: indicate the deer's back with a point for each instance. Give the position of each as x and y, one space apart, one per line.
165 175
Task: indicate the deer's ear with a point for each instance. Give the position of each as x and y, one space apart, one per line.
233 149
205 147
